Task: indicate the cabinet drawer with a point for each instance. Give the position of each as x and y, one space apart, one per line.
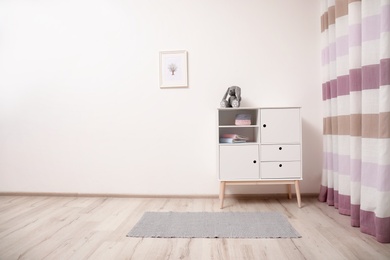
280 170
280 153
238 162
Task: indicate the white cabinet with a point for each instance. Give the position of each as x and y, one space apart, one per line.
264 150
280 125
239 162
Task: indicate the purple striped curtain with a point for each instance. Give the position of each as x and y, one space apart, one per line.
355 39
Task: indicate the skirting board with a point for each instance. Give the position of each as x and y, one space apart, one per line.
179 196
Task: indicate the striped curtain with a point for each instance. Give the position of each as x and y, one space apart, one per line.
355 46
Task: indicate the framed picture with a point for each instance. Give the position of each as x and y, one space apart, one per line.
173 69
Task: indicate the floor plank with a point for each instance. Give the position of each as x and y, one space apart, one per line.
39 227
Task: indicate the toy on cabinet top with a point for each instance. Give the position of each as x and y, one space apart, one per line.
234 99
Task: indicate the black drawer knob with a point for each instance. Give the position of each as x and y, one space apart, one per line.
264 125
280 148
280 165
254 161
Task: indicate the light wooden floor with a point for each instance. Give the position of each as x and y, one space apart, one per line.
95 228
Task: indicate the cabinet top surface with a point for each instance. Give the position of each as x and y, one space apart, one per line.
245 108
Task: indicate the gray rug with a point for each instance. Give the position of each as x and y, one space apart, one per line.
213 225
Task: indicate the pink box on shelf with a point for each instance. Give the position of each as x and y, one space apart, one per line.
243 119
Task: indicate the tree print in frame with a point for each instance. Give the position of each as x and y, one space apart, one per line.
173 69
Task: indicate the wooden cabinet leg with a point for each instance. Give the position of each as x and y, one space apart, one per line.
298 192
289 191
221 193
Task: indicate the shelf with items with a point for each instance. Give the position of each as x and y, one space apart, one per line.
240 134
237 126
238 117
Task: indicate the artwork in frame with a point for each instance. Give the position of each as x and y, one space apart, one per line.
173 69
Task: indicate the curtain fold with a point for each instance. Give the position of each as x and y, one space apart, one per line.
355 41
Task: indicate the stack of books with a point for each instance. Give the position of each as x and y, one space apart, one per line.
232 138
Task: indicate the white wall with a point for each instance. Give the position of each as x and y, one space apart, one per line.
81 110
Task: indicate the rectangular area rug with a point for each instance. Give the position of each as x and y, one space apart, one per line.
213 225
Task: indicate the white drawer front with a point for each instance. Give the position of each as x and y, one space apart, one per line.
281 170
280 153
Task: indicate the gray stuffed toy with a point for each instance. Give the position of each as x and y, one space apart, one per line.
234 99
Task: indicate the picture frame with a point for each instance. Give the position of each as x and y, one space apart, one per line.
173 69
